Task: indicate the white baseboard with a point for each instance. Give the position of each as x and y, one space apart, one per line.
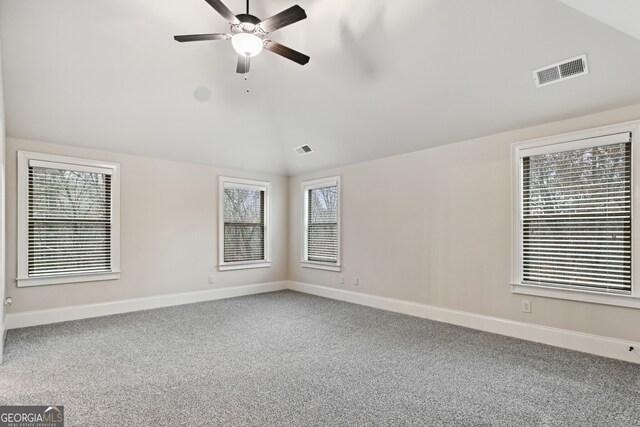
587 343
85 311
594 344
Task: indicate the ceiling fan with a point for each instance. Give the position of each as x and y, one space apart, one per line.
248 34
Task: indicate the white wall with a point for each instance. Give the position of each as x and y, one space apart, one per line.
434 227
2 212
168 233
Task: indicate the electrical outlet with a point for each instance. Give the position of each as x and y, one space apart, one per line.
341 279
211 280
356 282
526 306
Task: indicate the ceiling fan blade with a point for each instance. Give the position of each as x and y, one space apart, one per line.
243 64
202 37
287 52
224 11
282 19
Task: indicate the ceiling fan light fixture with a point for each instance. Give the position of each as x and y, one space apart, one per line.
247 44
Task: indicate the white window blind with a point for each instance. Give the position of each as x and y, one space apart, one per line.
576 218
322 224
244 212
69 222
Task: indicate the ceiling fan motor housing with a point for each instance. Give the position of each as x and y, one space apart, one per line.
248 24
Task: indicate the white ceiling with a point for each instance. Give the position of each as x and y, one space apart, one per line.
623 15
385 77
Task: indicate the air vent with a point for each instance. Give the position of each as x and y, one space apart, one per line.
303 150
560 71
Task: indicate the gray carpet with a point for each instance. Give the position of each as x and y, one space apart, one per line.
291 359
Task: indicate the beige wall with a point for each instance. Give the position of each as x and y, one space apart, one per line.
431 227
168 232
434 227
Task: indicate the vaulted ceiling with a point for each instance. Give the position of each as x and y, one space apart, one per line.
623 15
385 77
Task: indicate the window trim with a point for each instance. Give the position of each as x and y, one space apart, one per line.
566 142
252 185
311 185
23 279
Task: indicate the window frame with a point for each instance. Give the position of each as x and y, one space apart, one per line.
311 185
567 142
23 279
223 182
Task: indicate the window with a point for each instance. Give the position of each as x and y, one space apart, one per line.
68 220
575 217
321 246
244 225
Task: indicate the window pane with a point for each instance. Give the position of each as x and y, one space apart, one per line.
322 229
69 224
244 225
66 247
576 218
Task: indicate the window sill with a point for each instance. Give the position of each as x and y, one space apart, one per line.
577 295
320 265
244 265
62 280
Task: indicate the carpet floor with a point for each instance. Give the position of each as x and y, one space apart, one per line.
291 359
